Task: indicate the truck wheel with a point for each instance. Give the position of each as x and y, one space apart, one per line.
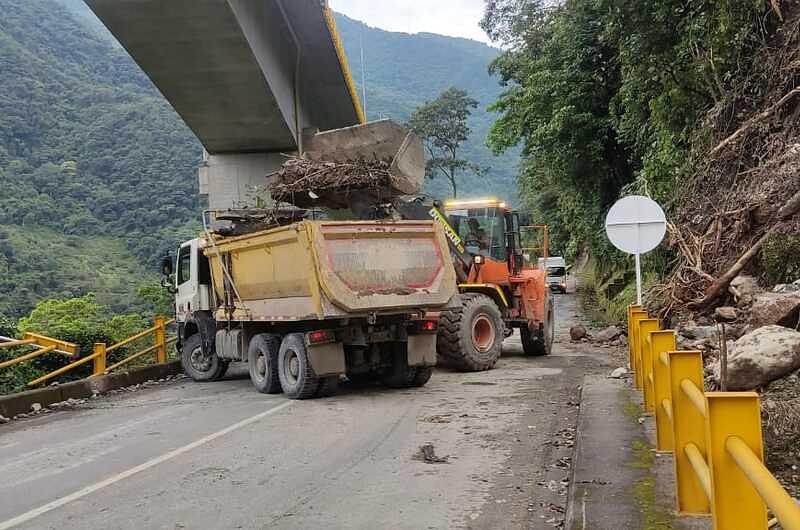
294 370
328 386
400 375
470 336
198 366
262 357
422 376
540 343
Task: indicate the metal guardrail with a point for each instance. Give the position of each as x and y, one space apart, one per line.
715 437
99 356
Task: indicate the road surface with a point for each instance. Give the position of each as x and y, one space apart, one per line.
220 455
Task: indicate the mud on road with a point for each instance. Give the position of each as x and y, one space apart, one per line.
482 450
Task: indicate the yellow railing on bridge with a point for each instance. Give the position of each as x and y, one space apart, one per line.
715 437
100 352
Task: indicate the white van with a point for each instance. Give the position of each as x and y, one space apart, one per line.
556 268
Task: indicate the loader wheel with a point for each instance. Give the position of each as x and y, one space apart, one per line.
262 356
471 335
298 380
540 343
199 366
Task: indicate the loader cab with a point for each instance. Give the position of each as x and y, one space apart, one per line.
192 281
482 226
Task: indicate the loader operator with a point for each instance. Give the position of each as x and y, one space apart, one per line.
476 233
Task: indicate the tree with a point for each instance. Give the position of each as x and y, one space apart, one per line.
442 125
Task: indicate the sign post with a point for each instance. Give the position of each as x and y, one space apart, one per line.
636 225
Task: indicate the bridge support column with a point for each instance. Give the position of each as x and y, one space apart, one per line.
237 180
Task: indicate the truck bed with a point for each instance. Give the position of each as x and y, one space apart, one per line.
326 269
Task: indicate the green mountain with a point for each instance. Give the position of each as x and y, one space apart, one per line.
98 173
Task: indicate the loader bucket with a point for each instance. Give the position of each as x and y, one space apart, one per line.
382 140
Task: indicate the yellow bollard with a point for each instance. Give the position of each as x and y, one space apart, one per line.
644 361
662 342
99 354
631 309
688 427
160 340
736 503
633 339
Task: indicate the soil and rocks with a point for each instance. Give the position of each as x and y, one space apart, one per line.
759 327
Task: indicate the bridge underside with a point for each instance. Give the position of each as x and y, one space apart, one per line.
247 76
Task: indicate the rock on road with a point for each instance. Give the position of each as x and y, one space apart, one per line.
220 455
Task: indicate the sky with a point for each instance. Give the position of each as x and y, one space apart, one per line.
455 18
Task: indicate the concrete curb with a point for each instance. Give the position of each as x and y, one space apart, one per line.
601 492
21 403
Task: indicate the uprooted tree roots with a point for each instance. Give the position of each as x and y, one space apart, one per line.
299 176
746 185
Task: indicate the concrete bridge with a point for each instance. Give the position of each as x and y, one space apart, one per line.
247 76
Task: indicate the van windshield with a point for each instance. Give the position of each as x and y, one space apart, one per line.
556 271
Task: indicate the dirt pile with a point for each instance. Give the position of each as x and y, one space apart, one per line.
744 192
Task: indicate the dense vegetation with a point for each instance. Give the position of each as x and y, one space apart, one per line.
608 97
99 173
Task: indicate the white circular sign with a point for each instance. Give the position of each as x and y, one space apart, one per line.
636 224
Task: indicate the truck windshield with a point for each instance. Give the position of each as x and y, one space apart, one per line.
556 271
481 229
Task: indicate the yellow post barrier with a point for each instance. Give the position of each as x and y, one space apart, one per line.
645 360
631 309
27 356
99 354
688 427
636 316
736 503
160 340
662 342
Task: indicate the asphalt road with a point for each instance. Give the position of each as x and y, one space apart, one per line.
220 455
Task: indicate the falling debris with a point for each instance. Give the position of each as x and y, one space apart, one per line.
427 454
305 182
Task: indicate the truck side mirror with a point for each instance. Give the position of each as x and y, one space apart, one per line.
166 266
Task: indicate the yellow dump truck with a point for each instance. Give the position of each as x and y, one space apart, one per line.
306 303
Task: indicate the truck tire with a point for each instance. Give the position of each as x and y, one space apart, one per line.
328 386
400 375
540 343
471 335
262 361
201 367
422 376
297 378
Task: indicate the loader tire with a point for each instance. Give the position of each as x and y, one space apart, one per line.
471 335
297 378
262 360
200 367
541 342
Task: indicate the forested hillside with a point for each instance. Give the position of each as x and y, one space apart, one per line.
693 103
99 173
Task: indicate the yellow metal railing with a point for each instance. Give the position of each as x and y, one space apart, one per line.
100 351
715 437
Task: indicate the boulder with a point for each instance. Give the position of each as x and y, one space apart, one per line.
617 373
744 288
763 355
775 308
786 288
607 335
699 332
725 314
577 332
